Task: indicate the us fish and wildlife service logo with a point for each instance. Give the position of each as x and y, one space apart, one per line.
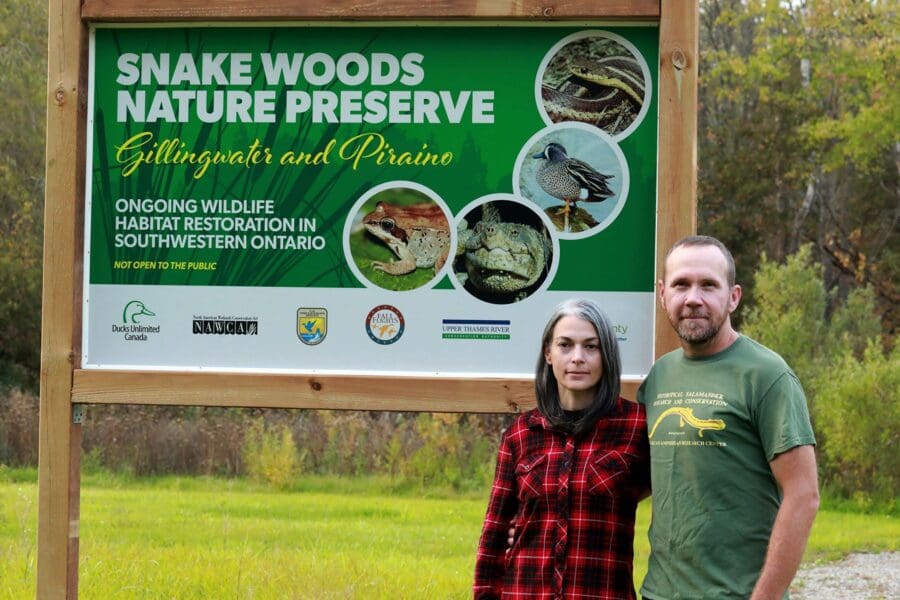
312 325
385 324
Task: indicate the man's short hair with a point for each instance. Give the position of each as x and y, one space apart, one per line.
705 240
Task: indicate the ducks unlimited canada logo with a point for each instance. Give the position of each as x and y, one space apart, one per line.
385 324
135 317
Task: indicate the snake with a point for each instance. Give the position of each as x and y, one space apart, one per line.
596 91
686 415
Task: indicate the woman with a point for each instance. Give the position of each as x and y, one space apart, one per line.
569 473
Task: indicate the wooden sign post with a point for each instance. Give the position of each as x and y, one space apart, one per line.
107 281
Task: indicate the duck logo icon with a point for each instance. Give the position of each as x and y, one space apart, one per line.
134 311
135 318
312 325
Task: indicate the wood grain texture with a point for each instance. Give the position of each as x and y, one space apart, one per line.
308 391
59 441
248 10
677 203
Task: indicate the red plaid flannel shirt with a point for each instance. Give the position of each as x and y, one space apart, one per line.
573 500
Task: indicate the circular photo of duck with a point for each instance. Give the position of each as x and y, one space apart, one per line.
504 250
594 77
397 236
576 174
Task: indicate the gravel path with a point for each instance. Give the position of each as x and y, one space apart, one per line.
857 577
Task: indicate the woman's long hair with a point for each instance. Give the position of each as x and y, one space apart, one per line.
546 387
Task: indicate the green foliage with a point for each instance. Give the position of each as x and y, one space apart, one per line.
270 455
857 77
859 415
789 315
354 443
855 323
23 66
852 384
799 113
451 453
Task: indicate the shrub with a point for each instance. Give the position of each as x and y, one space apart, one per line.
859 415
270 445
851 384
454 453
157 440
18 429
270 455
789 315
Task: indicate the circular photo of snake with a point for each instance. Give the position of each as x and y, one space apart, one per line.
594 77
576 174
504 250
397 236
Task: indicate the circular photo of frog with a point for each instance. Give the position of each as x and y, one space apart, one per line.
504 252
576 174
594 77
397 236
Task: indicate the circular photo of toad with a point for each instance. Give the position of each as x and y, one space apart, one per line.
504 251
594 77
398 236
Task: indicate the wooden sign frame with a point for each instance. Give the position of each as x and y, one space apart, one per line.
65 386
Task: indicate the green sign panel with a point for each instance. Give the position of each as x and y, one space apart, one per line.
491 170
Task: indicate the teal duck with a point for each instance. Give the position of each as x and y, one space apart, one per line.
569 179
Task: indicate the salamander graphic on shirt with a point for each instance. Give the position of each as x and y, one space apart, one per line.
686 416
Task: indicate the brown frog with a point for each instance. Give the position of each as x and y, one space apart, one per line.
419 234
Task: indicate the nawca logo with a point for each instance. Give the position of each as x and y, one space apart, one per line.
134 311
312 325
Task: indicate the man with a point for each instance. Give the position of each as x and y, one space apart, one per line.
732 462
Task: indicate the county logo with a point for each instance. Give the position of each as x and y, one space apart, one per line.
312 325
385 324
686 417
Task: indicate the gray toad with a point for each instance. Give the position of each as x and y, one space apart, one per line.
502 257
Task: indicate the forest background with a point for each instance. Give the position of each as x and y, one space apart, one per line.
799 174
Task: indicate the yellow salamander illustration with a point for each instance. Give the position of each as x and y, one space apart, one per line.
686 415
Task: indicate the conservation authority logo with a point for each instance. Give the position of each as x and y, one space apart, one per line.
135 318
312 325
385 324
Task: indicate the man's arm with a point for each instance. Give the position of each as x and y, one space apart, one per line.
795 472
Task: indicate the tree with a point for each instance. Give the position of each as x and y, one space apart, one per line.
23 66
789 314
799 114
859 418
851 382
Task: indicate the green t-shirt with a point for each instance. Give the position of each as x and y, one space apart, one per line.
714 424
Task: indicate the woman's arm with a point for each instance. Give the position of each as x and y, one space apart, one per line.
640 449
490 563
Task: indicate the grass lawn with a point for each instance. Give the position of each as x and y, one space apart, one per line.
206 538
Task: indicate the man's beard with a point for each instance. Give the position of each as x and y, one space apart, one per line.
697 333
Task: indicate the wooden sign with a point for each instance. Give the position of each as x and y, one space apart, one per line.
216 205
